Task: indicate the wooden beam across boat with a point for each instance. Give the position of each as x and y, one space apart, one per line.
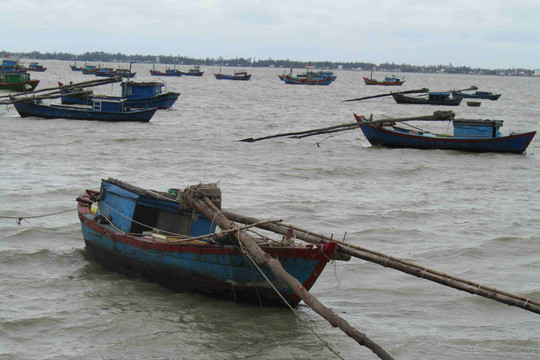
205 206
398 264
436 116
417 91
83 84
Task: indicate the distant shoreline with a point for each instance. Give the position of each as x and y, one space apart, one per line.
99 56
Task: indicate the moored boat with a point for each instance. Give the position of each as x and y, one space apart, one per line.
310 77
194 71
160 237
34 66
17 81
477 95
108 72
241 75
99 109
433 98
469 135
135 94
388 80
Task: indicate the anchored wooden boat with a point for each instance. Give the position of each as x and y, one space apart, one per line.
17 81
388 80
158 236
433 98
194 71
308 78
107 72
238 75
34 66
99 109
135 94
469 135
477 95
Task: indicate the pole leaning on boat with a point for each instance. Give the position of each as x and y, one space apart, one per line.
196 197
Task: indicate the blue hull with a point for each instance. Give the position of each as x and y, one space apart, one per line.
232 77
217 269
163 101
27 109
517 143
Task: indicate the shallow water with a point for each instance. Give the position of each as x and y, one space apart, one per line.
475 216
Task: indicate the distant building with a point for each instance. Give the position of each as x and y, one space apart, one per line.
537 72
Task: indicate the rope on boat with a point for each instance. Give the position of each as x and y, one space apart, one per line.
19 219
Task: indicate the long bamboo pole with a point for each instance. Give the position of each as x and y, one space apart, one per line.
401 265
90 83
208 209
417 91
436 116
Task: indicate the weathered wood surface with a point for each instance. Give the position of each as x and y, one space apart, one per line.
401 265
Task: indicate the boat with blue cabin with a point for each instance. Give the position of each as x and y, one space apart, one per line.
34 66
469 135
241 75
194 71
310 77
388 80
110 110
432 98
136 95
488 95
159 236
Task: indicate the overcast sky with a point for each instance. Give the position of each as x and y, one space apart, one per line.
476 33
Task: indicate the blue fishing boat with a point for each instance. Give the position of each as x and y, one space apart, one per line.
469 135
433 98
99 109
167 72
241 75
194 71
34 66
477 95
10 65
108 72
388 80
158 236
308 78
135 94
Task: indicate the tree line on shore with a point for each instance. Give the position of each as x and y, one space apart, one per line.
100 56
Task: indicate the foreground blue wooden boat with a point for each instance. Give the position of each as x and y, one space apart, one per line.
135 94
433 98
156 236
477 95
102 110
469 135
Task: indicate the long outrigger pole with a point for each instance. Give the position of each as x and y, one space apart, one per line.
398 264
205 206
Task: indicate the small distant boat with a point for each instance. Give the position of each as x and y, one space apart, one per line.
100 109
308 78
167 72
108 72
17 81
36 67
469 135
88 69
238 75
433 98
10 65
156 235
388 80
194 71
135 94
474 103
477 95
